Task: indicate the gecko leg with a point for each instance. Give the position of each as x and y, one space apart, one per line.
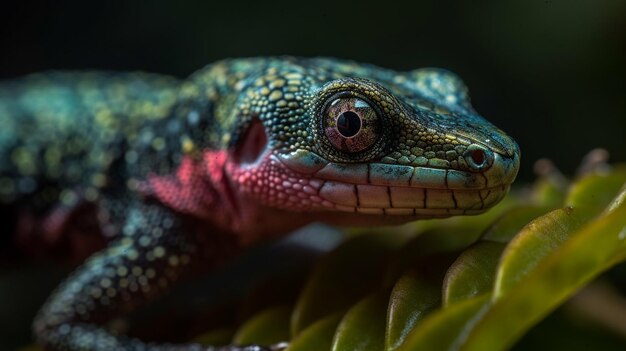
152 253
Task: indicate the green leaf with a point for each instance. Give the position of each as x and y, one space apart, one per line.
590 193
594 192
446 328
412 298
549 190
473 273
318 336
586 254
586 199
343 277
534 242
433 241
267 327
507 226
363 326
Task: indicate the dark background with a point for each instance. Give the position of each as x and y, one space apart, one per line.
552 73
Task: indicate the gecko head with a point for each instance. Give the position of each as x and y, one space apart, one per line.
383 147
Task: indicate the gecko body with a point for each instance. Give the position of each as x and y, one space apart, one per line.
167 178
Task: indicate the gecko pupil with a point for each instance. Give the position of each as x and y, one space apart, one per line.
349 124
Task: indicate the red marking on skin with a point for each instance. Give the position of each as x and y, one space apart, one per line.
188 190
246 199
237 198
215 161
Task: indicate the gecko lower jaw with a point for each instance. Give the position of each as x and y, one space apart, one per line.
502 172
390 189
398 200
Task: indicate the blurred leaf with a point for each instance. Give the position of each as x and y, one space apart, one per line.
548 192
343 277
473 273
587 198
412 298
363 326
534 242
318 336
590 251
507 226
595 192
266 327
433 241
441 330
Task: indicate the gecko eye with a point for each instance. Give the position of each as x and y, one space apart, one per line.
351 124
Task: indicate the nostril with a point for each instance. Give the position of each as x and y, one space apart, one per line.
478 158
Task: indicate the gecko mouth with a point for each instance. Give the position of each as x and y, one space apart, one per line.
389 189
404 200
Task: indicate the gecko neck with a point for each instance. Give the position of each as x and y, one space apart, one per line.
210 195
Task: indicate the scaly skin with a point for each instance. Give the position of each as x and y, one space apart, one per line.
178 176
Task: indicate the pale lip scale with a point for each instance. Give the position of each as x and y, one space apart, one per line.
379 188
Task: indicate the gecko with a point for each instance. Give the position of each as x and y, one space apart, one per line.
173 177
